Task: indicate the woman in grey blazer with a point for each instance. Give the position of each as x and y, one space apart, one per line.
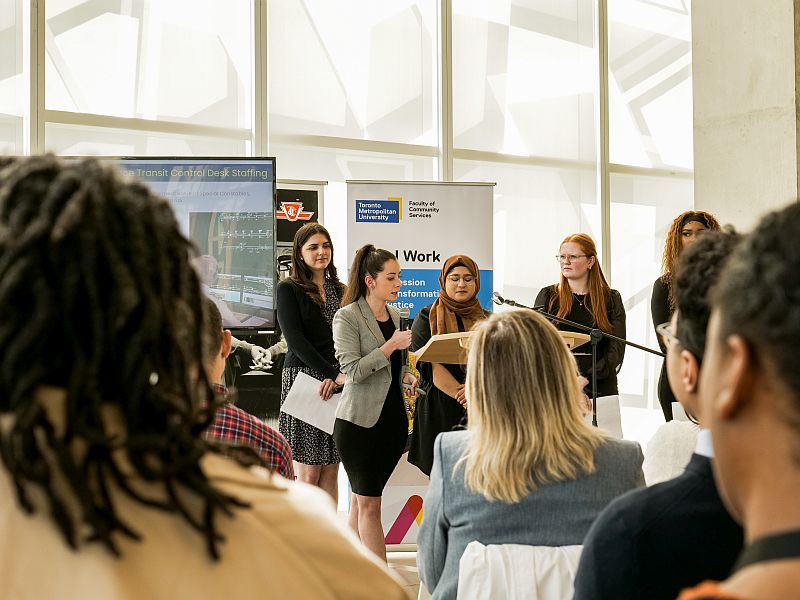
371 422
528 469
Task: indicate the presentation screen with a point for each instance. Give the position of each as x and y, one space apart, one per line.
226 207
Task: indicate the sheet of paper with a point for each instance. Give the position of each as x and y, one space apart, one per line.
608 415
303 402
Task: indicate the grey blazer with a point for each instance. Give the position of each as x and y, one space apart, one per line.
556 514
357 340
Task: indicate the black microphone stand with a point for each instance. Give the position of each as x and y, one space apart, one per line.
595 337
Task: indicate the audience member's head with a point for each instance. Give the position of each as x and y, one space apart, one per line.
217 343
524 409
751 377
750 393
698 269
102 351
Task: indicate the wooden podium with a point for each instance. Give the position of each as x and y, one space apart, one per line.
452 348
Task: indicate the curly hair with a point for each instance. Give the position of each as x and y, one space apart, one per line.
302 274
698 270
674 245
98 298
758 295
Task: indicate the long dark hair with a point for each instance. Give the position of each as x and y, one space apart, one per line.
369 260
98 298
301 273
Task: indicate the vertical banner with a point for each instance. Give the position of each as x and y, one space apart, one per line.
423 223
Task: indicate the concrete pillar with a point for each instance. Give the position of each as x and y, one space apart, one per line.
745 74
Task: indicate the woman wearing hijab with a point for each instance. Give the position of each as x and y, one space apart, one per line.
457 309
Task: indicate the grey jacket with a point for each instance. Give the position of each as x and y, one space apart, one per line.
357 340
556 514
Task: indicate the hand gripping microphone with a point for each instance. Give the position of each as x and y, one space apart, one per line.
404 314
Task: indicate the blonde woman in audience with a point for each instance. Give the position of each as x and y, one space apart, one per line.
528 469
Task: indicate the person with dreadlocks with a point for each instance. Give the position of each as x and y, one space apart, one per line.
683 232
103 400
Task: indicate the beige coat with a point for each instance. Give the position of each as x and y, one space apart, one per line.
289 544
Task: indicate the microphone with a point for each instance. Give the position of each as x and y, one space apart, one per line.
404 314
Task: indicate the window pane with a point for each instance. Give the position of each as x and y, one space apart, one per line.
182 60
650 83
74 140
525 77
355 69
336 166
535 208
13 82
641 213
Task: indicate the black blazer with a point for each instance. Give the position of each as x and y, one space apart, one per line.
308 335
659 309
653 542
609 353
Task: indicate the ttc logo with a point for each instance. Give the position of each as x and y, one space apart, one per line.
293 211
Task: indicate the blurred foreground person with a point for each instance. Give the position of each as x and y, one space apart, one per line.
103 398
750 396
653 542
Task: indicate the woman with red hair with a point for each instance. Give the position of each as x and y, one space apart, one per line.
583 295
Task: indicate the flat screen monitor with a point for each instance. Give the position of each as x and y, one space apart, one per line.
226 207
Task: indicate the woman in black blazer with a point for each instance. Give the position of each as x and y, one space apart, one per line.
306 304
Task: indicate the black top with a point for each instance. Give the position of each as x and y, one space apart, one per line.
653 542
395 358
609 353
659 307
436 412
307 333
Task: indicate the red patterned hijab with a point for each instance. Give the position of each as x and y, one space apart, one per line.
444 309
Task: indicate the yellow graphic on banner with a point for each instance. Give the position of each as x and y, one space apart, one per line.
399 201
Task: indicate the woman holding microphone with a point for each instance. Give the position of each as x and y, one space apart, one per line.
371 423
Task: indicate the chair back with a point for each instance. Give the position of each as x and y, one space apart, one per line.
514 571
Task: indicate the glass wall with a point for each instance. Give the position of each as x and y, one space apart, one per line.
366 89
353 94
525 90
183 62
14 86
650 140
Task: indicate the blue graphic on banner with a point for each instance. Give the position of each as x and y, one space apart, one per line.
378 211
421 289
